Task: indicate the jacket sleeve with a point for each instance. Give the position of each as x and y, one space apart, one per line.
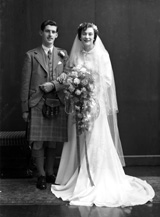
25 82
58 86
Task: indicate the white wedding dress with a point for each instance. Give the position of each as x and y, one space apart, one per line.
111 187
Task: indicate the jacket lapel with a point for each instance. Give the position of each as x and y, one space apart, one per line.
40 57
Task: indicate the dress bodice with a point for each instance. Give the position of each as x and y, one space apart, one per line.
88 59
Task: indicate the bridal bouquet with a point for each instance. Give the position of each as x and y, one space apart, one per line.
80 101
80 98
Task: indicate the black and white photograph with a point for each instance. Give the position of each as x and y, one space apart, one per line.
79 108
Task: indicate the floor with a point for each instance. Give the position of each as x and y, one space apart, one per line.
64 210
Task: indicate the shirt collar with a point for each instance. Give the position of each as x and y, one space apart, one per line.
46 49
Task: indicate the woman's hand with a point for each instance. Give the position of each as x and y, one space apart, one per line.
62 78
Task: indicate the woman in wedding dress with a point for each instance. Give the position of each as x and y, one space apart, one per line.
94 174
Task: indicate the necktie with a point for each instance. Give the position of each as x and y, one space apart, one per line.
50 68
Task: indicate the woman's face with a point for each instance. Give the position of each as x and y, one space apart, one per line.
87 37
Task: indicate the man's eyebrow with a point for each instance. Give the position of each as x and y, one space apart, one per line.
51 30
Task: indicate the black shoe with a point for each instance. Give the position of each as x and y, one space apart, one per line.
41 183
50 179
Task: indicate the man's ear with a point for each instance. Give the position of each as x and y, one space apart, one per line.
40 32
57 35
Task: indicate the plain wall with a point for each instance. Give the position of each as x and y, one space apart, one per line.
130 31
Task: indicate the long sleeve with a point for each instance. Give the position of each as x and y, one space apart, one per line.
25 86
57 85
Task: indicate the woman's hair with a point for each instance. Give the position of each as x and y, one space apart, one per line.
84 26
48 22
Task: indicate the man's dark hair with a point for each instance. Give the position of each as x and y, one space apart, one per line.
84 26
48 22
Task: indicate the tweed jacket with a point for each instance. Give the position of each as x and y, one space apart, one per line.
35 73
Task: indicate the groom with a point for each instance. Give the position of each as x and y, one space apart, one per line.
42 101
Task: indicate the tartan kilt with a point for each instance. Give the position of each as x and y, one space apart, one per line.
44 129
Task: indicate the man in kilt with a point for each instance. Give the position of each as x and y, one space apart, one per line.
42 100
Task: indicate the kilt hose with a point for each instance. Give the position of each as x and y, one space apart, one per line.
44 129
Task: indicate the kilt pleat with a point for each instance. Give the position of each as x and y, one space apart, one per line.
44 129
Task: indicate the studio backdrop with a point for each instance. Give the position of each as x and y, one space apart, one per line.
130 31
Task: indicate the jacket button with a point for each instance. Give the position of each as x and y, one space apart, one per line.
45 76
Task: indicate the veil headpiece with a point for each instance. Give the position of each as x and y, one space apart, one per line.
101 58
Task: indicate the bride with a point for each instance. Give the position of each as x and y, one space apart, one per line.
91 167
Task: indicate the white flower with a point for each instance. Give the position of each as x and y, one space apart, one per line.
61 53
78 92
88 72
84 82
90 127
67 94
77 108
77 68
69 80
74 73
79 115
95 27
76 81
71 88
83 70
83 89
91 87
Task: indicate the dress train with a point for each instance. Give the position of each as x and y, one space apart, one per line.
112 187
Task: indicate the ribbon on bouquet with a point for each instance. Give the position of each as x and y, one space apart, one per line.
86 154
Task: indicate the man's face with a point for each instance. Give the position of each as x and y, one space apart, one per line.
49 34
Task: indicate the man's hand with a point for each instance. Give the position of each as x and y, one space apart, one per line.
47 87
25 116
